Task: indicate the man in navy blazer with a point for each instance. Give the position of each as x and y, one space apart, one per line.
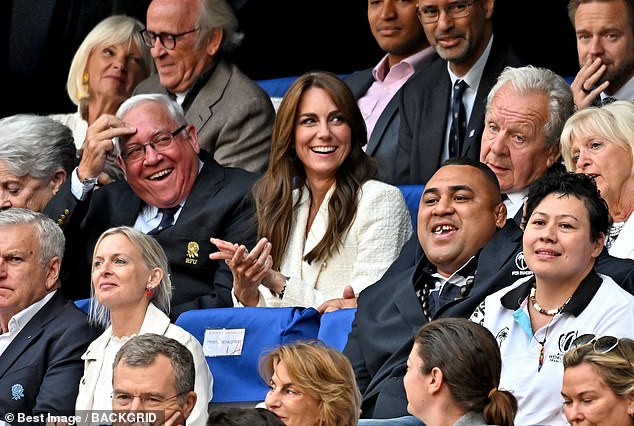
468 51
43 335
396 29
173 190
460 211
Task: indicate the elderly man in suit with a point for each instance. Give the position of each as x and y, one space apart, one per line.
173 190
232 114
442 109
42 335
395 27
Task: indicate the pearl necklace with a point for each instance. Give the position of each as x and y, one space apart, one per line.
549 312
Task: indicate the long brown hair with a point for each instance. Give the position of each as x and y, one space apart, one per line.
273 193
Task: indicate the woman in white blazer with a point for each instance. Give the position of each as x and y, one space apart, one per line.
131 292
324 223
599 141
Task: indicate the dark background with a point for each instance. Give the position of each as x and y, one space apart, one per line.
283 38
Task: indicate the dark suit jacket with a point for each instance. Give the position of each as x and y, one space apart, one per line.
425 101
219 205
383 141
41 368
233 115
389 314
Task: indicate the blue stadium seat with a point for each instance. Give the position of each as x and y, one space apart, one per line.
236 377
412 194
83 304
335 327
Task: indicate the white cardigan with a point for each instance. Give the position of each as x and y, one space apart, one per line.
380 229
156 322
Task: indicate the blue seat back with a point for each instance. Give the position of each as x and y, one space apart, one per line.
412 194
83 304
335 327
236 377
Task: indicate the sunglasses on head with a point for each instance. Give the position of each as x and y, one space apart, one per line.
601 345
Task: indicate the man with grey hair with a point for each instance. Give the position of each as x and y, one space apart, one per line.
36 155
232 114
173 190
154 373
42 335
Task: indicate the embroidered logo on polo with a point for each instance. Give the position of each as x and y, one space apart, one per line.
17 392
502 335
192 253
522 267
563 344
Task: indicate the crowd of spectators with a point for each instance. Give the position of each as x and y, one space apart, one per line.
177 185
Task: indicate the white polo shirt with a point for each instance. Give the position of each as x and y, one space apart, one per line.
599 306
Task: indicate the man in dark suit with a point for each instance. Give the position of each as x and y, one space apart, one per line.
396 29
461 210
232 114
169 181
462 35
43 335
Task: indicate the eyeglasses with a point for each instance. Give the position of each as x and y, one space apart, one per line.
161 141
147 400
167 40
601 345
455 10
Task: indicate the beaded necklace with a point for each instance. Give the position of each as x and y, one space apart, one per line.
549 312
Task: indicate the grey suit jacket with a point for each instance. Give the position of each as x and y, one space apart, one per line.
233 115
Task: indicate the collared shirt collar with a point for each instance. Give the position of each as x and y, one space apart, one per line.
149 213
473 76
578 302
514 202
20 320
404 68
624 93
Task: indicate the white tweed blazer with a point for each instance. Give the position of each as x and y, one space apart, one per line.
380 229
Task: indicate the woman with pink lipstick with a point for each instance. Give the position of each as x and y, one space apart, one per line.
536 318
131 295
600 143
325 224
106 68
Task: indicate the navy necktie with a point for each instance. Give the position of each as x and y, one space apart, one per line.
167 219
458 119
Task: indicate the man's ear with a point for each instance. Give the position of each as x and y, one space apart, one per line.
214 40
52 273
554 155
500 215
190 401
58 179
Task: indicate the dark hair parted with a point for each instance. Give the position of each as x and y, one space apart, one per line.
469 358
273 193
577 185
